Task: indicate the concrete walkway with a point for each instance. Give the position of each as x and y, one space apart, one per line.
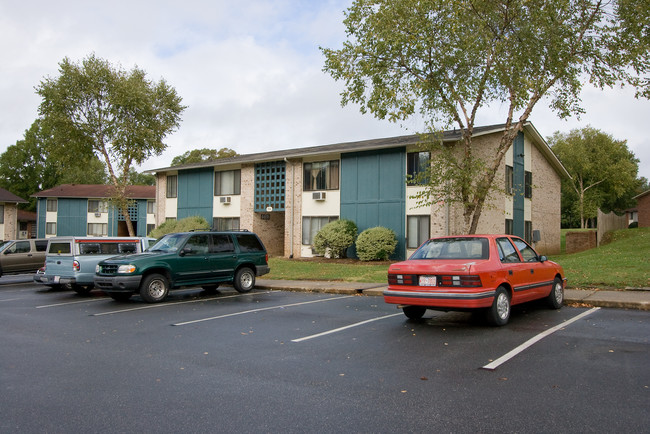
625 299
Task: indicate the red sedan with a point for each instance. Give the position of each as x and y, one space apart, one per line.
490 272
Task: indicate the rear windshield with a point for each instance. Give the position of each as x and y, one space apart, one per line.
107 248
249 243
453 248
59 248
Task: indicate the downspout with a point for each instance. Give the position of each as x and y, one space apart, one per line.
293 186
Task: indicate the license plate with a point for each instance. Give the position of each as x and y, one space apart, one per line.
427 280
56 279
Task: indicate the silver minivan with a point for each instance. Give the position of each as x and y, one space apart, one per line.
22 256
71 261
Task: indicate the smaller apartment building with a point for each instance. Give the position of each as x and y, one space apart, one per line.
287 196
85 210
9 227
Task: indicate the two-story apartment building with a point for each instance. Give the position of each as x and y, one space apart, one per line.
85 210
9 229
287 196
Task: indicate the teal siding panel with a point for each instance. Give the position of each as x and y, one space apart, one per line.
41 212
373 192
518 226
142 218
72 217
195 193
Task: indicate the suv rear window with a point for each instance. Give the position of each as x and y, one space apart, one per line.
249 243
59 248
41 245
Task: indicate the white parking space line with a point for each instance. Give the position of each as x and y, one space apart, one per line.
344 328
175 303
501 360
10 299
261 310
90 300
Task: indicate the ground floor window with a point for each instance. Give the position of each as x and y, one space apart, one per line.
417 231
528 231
225 223
311 226
150 227
98 229
50 228
509 227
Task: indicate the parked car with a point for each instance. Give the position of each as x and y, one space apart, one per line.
71 261
22 256
490 272
183 259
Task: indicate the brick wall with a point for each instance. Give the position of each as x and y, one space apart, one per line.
579 241
643 205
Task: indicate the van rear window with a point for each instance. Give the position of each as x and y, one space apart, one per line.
59 248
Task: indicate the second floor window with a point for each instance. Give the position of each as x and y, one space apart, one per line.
417 164
95 205
227 182
51 205
321 175
528 185
172 186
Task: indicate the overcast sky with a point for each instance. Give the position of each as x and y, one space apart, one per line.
250 73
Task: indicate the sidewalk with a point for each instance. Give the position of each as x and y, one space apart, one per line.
627 299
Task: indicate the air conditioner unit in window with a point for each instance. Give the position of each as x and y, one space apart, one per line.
225 199
98 214
319 195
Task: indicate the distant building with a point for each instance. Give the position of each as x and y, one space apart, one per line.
643 209
27 224
85 210
9 214
287 196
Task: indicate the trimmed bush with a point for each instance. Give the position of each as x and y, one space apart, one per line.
183 225
335 237
376 244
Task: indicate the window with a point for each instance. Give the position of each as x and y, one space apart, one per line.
526 251
225 223
41 245
50 228
95 205
528 231
528 185
509 227
507 252
172 186
197 245
453 248
249 243
51 205
311 226
227 182
2 214
323 175
417 230
151 206
222 243
417 163
98 229
150 227
509 180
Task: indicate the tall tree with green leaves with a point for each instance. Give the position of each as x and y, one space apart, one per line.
95 108
203 154
448 59
25 168
603 173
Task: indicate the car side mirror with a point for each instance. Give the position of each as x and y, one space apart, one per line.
543 258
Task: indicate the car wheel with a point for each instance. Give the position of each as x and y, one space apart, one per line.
154 288
244 280
556 297
211 289
499 313
414 312
120 296
81 290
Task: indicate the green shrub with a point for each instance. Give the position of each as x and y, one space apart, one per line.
335 237
184 225
376 244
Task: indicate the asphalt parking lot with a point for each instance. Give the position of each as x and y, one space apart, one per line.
275 361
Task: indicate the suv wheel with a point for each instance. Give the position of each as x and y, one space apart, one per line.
154 288
244 280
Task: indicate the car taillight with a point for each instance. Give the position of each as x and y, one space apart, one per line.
402 279
462 280
76 266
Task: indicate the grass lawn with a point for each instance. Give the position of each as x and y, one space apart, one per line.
624 262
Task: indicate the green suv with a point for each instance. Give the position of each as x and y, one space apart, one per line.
185 259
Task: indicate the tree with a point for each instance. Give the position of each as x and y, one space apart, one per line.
446 59
603 173
204 154
141 178
94 108
25 168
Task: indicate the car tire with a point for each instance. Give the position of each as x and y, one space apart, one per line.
244 280
556 296
414 313
120 296
81 290
154 288
499 313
